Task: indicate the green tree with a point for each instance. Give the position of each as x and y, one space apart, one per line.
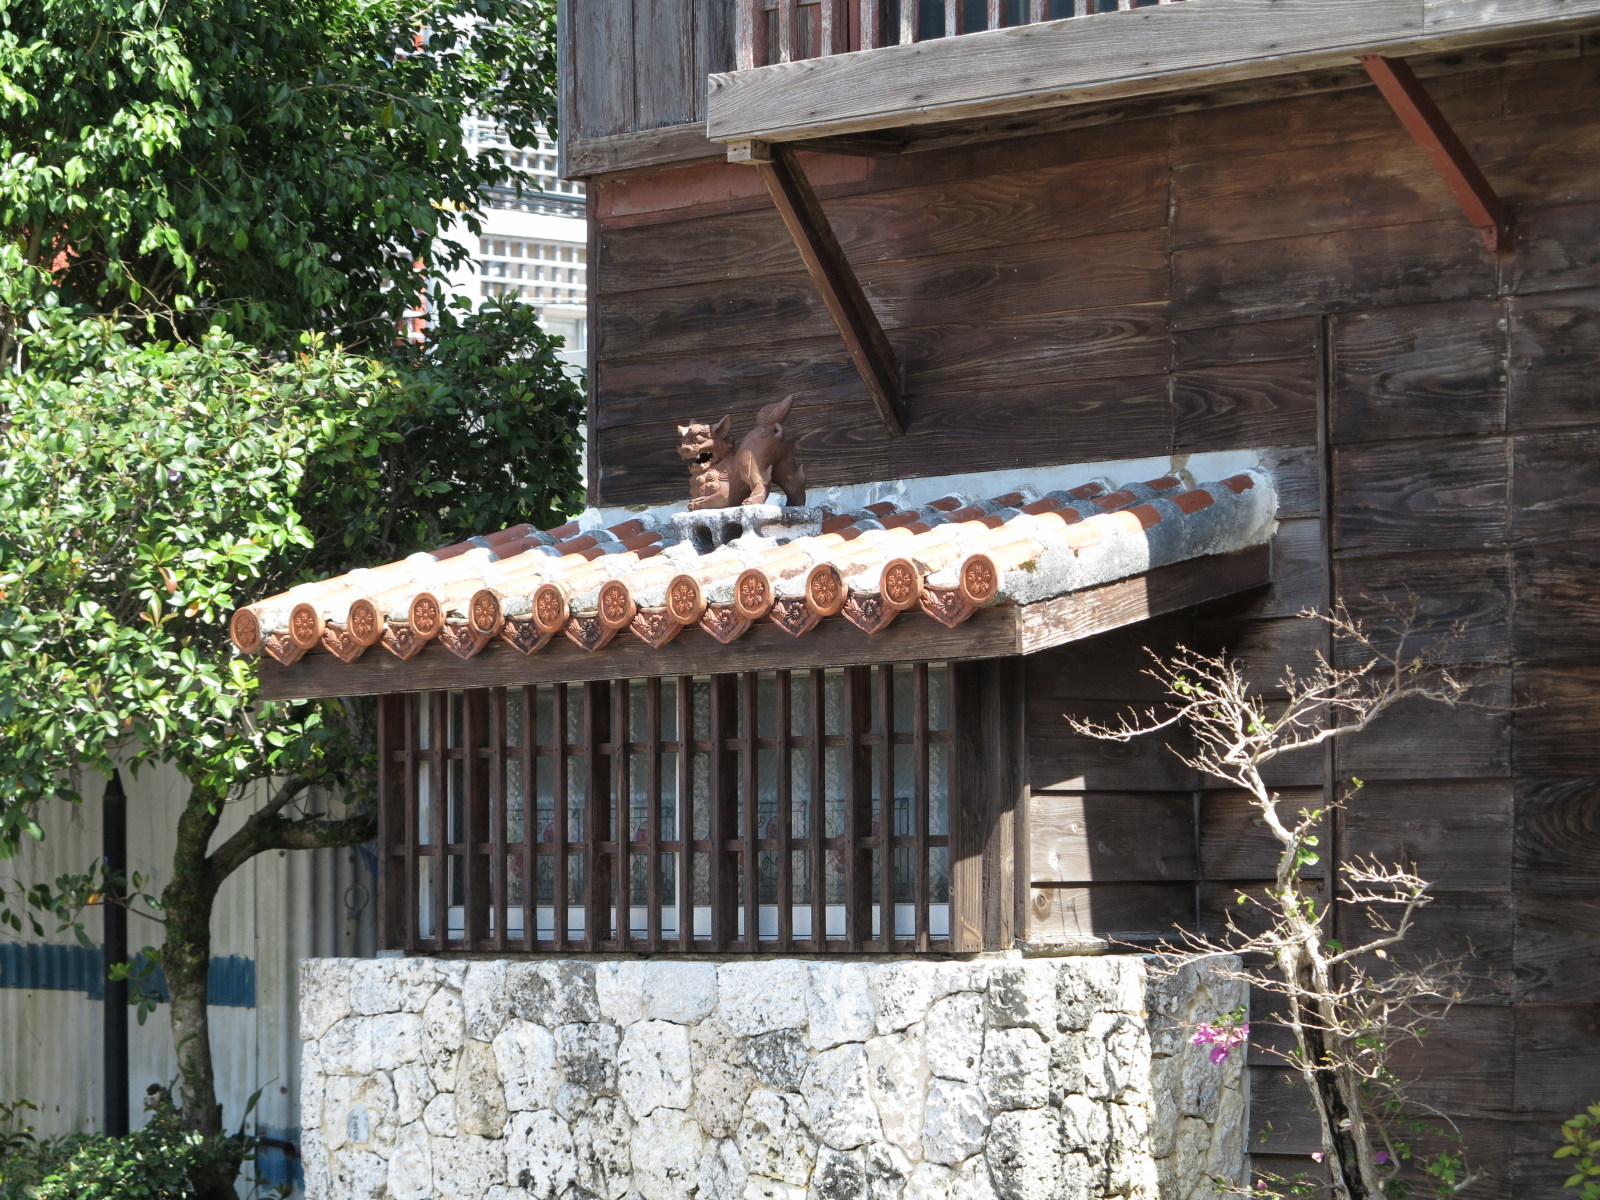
212 216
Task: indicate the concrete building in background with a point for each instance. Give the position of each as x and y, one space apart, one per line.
534 246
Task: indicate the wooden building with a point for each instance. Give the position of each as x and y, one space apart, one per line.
1353 243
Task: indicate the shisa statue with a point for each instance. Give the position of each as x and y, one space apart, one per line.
722 477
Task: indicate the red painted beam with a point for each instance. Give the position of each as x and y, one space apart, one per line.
1449 155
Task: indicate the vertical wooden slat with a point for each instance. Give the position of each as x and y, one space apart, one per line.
751 16
952 17
559 738
652 819
498 815
908 21
857 807
786 24
785 861
530 830
884 719
597 810
986 790
475 883
869 24
622 813
994 18
413 764
920 799
394 838
835 26
441 817
749 785
724 810
1036 11
685 823
819 814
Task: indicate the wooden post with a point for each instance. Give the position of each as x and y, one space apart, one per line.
1450 157
819 249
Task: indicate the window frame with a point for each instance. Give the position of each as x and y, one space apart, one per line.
411 773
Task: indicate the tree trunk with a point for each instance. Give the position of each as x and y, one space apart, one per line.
187 902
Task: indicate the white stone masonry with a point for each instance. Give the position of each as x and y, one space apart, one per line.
580 1079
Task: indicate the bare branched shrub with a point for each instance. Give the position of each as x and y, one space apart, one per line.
1346 1007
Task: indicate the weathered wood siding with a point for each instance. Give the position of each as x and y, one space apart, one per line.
632 65
1288 276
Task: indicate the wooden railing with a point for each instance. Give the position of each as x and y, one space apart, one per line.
781 31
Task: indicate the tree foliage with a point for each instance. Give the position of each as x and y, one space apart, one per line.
269 166
212 213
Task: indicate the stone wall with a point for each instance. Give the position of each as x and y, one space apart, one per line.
1023 1079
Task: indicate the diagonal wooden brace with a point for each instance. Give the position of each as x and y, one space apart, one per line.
1450 157
808 225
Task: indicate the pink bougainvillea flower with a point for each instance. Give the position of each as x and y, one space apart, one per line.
1381 1157
1316 1156
1221 1039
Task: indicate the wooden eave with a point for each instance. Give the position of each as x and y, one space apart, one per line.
996 632
1113 56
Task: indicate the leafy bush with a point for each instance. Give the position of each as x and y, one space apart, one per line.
162 1161
1581 1141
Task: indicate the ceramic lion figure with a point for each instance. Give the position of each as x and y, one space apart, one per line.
722 477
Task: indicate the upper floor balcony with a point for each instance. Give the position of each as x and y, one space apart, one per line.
811 70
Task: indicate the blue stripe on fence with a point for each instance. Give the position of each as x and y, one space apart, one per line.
80 969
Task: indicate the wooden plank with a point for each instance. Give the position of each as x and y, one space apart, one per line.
1363 184
1265 649
883 722
921 801
1109 666
986 775
1230 345
475 890
598 818
784 764
668 76
396 828
1556 484
749 826
1423 739
1014 280
1557 1052
1555 359
816 685
857 717
1061 759
1466 591
1166 589
1110 836
1016 352
1438 139
1198 44
1419 372
836 282
601 60
1365 268
1556 933
1252 404
639 464
1557 841
1456 835
1297 471
1560 249
587 157
620 833
724 801
439 835
560 743
1359 113
1096 911
942 207
1558 710
1436 495
683 823
1234 843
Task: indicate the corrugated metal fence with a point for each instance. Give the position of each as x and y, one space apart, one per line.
279 908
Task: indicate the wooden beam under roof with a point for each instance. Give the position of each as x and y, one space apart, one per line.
1139 52
835 279
992 633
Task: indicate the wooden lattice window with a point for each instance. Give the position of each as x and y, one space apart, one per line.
502 811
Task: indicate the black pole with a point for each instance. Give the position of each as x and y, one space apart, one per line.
114 863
